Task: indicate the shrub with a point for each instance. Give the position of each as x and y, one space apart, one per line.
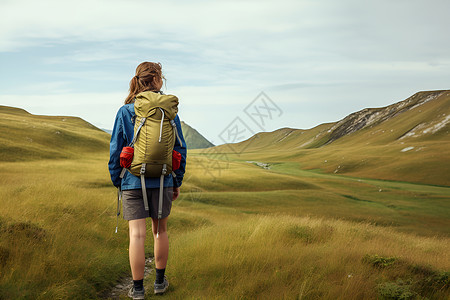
439 281
399 290
379 261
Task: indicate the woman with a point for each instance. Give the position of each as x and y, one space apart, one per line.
148 78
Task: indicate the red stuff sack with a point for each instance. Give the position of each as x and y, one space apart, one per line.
126 157
176 160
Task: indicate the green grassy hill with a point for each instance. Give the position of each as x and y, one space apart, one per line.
24 136
194 139
406 141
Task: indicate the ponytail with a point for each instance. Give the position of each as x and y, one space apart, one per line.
143 81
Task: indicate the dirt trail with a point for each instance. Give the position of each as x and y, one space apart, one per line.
123 286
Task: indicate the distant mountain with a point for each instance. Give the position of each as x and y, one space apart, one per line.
406 141
194 139
24 136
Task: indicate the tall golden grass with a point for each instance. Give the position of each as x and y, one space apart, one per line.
57 230
285 257
57 236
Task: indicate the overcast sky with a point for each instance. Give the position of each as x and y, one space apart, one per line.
317 61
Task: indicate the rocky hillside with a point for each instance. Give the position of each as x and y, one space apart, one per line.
194 139
406 141
424 115
369 117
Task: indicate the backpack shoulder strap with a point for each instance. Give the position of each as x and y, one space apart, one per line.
174 126
137 132
144 188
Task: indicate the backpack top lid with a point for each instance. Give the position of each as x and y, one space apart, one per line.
146 102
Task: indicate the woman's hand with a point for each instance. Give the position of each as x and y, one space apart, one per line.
176 193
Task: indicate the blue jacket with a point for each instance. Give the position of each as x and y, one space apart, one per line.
121 136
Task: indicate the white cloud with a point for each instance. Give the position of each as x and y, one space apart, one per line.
217 56
112 20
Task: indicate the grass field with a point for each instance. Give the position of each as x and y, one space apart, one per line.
297 230
243 232
57 230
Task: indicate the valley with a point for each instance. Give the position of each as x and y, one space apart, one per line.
333 219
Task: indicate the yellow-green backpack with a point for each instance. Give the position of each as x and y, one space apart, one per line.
154 137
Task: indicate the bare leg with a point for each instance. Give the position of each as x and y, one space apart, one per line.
161 244
137 248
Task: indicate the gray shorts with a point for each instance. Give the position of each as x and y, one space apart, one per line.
133 203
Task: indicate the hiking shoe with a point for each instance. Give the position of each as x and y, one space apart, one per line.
160 288
136 294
